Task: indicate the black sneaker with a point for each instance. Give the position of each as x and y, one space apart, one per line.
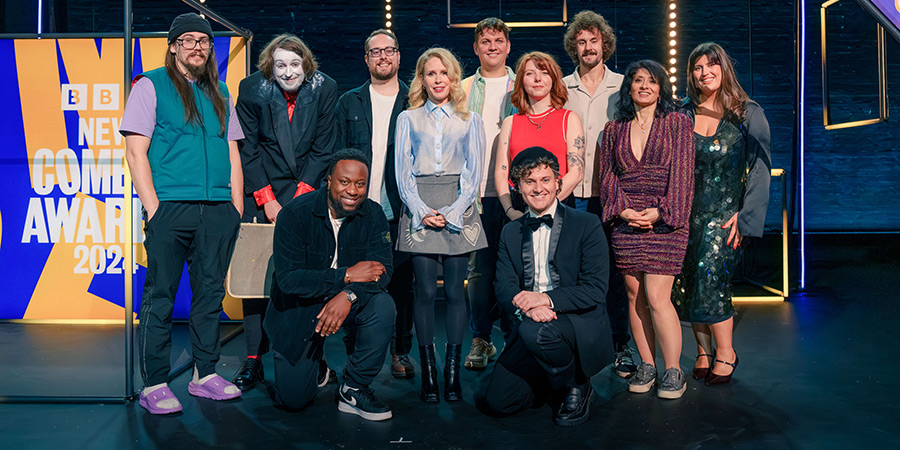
326 375
362 402
625 366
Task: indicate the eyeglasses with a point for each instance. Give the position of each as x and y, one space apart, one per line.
191 43
388 51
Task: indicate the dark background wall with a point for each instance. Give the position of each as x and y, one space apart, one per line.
851 181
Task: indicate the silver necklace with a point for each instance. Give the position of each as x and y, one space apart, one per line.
538 125
643 127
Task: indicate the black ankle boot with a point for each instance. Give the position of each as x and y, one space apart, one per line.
430 390
452 390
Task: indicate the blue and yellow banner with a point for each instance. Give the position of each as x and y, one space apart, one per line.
62 228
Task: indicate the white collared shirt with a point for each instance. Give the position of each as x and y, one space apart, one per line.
594 111
540 241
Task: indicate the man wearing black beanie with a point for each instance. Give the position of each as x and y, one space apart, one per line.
181 136
551 275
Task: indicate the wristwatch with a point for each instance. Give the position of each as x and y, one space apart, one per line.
351 296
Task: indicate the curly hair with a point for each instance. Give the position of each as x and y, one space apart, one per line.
594 23
625 104
731 96
417 94
559 95
517 173
290 43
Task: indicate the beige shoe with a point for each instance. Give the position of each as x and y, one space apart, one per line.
481 353
401 366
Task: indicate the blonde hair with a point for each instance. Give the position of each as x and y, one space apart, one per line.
417 94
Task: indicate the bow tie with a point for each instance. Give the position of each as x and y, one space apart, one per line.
534 223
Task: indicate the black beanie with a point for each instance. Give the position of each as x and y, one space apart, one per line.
187 23
530 155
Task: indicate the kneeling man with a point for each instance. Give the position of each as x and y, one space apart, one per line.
552 272
332 256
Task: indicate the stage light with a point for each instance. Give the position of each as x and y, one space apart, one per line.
387 24
203 16
387 7
672 44
387 16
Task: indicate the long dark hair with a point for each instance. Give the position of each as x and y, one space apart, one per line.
209 84
731 96
666 103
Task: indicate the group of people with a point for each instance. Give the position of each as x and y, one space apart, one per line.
574 206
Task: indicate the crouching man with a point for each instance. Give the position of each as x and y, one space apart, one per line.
332 256
552 271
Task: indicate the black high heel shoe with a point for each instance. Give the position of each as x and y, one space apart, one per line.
713 379
702 372
430 392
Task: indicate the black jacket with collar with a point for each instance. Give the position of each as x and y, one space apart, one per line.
303 281
280 152
579 268
353 116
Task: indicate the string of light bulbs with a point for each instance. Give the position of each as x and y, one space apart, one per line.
673 42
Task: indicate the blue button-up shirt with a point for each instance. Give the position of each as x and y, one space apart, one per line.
435 140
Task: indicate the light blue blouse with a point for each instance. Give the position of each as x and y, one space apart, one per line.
434 140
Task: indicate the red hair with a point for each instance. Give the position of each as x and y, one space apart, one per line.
559 95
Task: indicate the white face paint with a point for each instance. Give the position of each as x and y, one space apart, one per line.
288 69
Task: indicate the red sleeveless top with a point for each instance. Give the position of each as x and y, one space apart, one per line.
547 130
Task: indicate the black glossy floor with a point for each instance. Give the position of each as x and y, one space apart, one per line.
818 371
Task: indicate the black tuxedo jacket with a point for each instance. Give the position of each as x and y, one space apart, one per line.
281 152
353 116
579 268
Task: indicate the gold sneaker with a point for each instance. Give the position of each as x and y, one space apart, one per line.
481 353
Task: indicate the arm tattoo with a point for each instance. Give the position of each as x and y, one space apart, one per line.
576 158
503 167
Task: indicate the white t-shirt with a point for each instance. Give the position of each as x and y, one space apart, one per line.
382 105
494 101
336 227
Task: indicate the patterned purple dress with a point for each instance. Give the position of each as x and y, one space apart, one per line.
663 178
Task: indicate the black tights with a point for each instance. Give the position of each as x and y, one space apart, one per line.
426 269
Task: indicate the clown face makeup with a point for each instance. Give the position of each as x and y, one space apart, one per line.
288 69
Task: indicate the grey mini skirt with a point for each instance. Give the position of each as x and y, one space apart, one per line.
437 192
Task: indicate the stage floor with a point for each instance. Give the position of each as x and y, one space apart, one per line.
814 373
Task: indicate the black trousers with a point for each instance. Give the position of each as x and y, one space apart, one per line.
483 306
371 324
539 362
616 296
203 235
400 288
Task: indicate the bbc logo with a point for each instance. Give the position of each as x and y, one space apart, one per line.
74 97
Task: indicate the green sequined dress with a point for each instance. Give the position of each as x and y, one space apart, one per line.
702 292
